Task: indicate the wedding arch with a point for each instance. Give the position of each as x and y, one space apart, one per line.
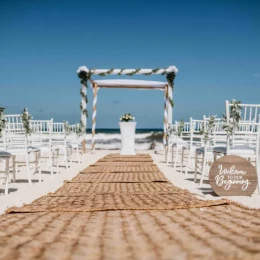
85 75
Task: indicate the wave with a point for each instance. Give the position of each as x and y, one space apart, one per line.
112 141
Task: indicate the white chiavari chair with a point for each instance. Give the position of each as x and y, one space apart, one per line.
4 170
217 139
42 139
194 139
179 140
59 142
75 141
249 112
14 123
18 144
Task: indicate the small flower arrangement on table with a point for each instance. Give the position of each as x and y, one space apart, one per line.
127 118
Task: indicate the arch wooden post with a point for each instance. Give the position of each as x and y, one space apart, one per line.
94 113
165 116
170 108
83 116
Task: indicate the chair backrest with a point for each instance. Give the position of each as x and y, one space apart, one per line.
58 135
218 136
14 123
42 130
249 112
73 128
196 126
58 128
247 134
182 130
41 126
174 133
14 140
191 132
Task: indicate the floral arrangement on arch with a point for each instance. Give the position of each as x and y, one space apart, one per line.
2 120
79 129
127 118
25 118
208 129
235 115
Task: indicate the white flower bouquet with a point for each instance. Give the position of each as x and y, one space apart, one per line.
127 118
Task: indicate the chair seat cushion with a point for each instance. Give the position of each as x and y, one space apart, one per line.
61 147
22 150
4 154
193 147
235 150
201 150
241 150
220 149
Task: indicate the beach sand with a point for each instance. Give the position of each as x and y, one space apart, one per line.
20 193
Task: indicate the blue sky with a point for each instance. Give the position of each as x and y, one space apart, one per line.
214 44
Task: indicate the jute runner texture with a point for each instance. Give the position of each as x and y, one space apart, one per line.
127 209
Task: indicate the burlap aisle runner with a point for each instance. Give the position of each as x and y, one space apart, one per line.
120 169
128 215
75 188
171 198
116 177
115 201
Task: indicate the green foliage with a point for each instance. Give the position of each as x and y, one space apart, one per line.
171 102
84 96
234 117
67 128
170 79
79 129
2 120
208 128
84 76
180 128
26 117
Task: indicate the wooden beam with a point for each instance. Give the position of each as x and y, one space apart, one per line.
92 81
134 87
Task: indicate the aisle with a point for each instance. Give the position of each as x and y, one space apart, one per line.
123 207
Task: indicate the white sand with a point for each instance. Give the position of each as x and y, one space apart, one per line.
20 192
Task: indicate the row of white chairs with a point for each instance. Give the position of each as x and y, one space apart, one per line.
48 143
188 145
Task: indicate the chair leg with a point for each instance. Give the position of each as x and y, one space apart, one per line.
51 159
176 158
166 154
57 163
66 158
39 167
258 173
78 154
71 157
182 159
203 167
196 167
14 168
188 163
7 175
172 156
56 158
28 170
81 157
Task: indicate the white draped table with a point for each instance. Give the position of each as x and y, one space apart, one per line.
127 130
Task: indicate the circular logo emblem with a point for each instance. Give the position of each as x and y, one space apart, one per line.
233 175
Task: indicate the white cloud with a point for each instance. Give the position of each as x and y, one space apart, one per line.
256 75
